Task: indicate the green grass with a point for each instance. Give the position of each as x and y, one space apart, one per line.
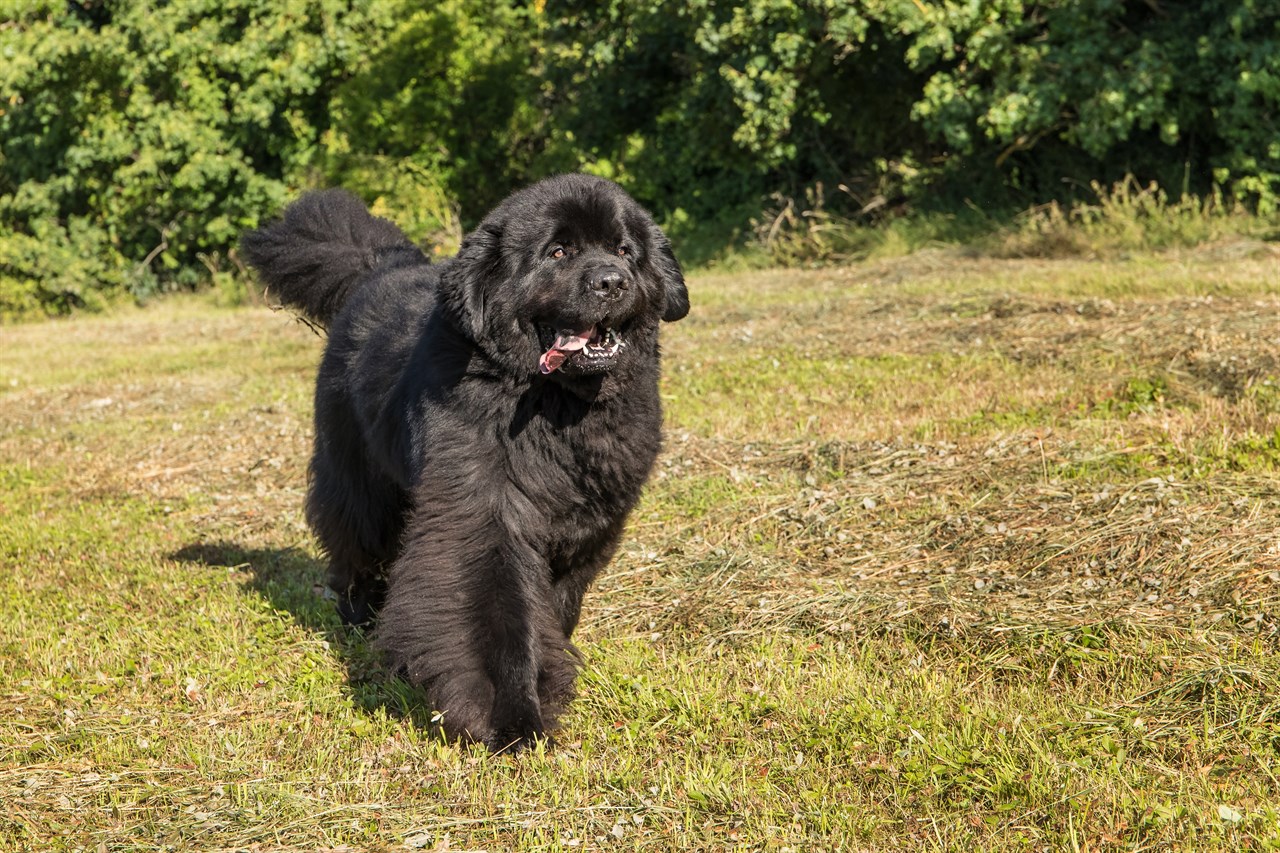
943 553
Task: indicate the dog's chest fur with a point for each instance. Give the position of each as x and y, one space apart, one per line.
582 471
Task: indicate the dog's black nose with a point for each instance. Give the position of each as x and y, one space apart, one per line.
608 284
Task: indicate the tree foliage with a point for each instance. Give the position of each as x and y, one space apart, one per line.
1187 94
141 138
1002 99
444 113
138 139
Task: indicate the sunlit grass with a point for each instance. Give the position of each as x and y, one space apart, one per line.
942 554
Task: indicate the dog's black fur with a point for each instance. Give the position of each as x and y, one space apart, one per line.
464 498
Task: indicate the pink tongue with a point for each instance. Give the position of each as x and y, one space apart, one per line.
566 342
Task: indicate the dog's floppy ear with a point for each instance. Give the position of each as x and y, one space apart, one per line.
676 295
477 264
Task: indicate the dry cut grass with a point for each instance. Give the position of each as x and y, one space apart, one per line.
942 554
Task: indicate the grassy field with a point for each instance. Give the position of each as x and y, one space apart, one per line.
943 554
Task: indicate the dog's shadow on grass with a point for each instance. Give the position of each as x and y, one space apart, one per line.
292 582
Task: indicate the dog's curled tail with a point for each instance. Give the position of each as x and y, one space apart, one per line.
310 257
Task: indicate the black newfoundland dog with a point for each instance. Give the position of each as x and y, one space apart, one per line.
483 427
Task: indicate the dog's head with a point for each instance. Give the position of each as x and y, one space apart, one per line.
568 277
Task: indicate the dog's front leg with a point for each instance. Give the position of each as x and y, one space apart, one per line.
464 618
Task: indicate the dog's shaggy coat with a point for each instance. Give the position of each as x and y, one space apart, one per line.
483 427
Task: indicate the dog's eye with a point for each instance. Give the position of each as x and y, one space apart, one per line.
556 253
623 251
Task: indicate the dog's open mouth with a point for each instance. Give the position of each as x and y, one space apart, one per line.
592 350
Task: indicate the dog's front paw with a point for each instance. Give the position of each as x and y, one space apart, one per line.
517 729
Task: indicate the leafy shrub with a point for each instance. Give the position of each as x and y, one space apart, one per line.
1003 101
144 137
442 118
52 270
1184 94
137 141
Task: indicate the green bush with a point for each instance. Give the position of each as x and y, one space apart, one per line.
137 141
1075 91
1006 103
704 109
137 138
53 270
445 111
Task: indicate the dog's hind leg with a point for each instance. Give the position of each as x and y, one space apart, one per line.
358 520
